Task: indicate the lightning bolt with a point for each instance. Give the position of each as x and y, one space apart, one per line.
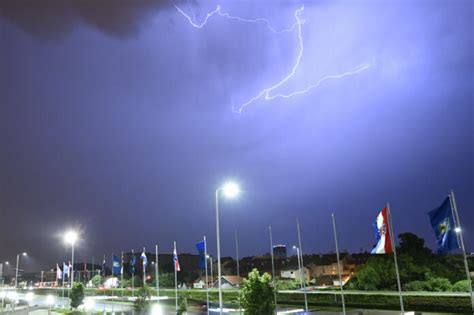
267 93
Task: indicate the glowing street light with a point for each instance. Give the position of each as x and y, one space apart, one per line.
50 302
457 230
17 267
231 190
71 238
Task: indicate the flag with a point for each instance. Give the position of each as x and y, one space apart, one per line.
201 248
59 273
133 261
442 222
121 263
103 266
176 261
144 259
382 234
115 265
66 270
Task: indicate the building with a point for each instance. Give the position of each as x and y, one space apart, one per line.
324 271
294 272
229 282
279 251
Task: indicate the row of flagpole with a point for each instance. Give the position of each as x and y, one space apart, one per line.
386 244
385 230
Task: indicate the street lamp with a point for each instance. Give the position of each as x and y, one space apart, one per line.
70 238
457 230
18 266
231 190
299 264
49 301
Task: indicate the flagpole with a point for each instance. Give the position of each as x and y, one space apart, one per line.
207 281
144 268
157 274
133 275
238 267
175 279
392 238
113 276
273 266
302 265
103 272
121 273
338 264
64 275
458 231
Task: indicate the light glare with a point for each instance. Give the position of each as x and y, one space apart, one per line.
156 310
231 190
70 237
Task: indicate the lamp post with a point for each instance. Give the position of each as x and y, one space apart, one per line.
230 190
70 238
212 274
18 266
299 265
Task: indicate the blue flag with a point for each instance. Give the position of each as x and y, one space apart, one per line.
201 248
66 270
442 222
115 265
133 261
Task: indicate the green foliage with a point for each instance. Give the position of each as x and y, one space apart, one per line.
287 284
183 304
96 280
257 294
136 281
77 294
420 269
461 286
438 284
142 303
417 286
166 280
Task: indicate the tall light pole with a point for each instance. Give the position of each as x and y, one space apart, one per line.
18 266
212 274
230 190
70 238
299 265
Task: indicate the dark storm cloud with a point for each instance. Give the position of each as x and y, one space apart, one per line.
52 19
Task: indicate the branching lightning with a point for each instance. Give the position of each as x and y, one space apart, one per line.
267 93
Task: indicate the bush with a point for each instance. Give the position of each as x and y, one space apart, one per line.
461 286
77 295
127 283
96 280
142 303
183 304
287 284
439 284
257 294
417 286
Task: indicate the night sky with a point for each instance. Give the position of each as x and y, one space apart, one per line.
118 120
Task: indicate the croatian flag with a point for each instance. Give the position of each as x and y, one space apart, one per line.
382 234
176 261
59 273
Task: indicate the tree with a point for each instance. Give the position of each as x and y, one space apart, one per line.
166 280
142 303
136 281
77 295
257 294
413 246
96 280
